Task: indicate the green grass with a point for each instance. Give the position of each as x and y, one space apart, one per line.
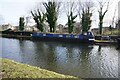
110 33
113 32
12 69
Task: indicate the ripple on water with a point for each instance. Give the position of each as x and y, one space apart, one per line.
88 61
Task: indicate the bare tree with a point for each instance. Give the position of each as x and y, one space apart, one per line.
70 9
85 10
102 13
113 19
84 6
52 11
39 18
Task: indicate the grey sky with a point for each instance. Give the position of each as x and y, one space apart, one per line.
11 10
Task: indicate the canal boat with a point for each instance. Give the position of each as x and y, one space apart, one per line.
86 37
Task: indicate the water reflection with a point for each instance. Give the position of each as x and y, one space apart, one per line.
88 61
99 48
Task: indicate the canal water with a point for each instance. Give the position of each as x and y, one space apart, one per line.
85 61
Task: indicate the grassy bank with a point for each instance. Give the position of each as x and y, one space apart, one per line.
113 32
12 69
110 33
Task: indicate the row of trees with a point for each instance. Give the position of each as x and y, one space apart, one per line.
50 16
84 11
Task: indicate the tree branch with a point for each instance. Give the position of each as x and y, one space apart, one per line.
104 13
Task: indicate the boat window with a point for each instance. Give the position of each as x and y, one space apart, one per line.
37 33
67 36
89 33
76 36
44 34
60 35
85 33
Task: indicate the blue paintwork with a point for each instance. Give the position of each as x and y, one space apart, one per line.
81 37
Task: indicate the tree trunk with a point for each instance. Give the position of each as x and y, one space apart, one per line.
101 25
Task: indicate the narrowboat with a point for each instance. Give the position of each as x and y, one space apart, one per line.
86 37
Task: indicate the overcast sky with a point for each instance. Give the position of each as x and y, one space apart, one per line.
11 10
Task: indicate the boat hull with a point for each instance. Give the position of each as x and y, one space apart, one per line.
63 37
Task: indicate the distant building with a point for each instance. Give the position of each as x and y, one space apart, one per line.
28 28
76 29
16 28
46 27
59 28
0 27
95 30
105 29
7 26
65 29
34 28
